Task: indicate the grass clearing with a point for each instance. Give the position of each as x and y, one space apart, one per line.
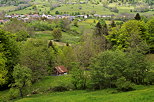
82 8
7 8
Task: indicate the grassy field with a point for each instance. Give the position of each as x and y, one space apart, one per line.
143 94
44 7
66 36
73 36
44 94
84 8
7 8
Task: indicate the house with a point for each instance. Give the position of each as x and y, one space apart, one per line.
60 70
35 16
4 21
44 16
1 21
8 16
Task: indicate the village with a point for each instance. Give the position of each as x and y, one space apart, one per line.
31 17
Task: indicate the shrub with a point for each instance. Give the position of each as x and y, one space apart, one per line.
59 88
57 34
13 93
149 80
57 12
123 85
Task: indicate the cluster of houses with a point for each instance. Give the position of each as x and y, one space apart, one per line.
37 16
28 17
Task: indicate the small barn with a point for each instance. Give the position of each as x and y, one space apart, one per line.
60 70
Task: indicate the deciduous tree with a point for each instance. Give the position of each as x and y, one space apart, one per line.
22 77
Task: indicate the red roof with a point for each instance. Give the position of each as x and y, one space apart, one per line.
61 69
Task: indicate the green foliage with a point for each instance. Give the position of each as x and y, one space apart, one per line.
3 71
100 33
142 94
22 35
138 67
132 35
50 84
20 28
8 55
101 28
149 79
64 24
13 93
112 67
57 12
57 34
137 17
22 77
150 41
35 55
42 25
75 22
123 85
64 56
106 68
78 76
113 23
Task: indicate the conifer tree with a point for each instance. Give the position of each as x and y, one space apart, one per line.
137 17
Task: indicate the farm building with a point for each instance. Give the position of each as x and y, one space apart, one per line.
60 70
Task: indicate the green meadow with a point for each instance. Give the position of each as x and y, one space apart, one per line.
141 94
108 95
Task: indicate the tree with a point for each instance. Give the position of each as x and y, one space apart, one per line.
132 35
35 55
20 28
137 17
22 76
57 12
100 33
118 68
65 56
86 50
75 22
3 71
64 24
113 23
8 54
57 34
138 67
106 68
78 76
150 40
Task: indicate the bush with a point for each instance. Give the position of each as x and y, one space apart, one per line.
113 9
57 12
59 88
42 25
123 85
57 34
117 68
149 80
13 93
